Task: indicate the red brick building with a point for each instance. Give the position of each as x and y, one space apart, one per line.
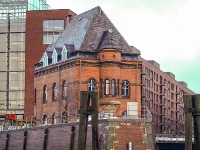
40 26
163 96
90 54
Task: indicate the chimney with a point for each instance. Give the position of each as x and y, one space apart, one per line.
67 19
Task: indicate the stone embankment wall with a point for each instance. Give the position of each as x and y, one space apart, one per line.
113 135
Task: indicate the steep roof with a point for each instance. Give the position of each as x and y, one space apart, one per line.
85 32
58 50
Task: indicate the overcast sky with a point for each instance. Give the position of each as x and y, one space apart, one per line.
167 31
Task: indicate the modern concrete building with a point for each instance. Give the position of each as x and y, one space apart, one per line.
12 53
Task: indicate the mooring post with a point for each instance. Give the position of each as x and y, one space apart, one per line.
71 145
46 131
95 134
196 120
83 119
25 140
188 121
7 141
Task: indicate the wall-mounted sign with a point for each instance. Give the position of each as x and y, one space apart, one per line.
10 116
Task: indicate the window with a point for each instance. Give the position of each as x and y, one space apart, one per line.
45 94
91 85
54 91
64 53
172 87
172 105
113 82
45 121
64 117
151 104
107 86
125 88
101 87
52 30
172 96
45 59
64 93
54 57
54 118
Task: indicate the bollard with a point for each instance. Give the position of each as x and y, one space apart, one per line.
130 146
25 140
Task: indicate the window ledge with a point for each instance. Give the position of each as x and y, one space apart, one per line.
54 100
126 97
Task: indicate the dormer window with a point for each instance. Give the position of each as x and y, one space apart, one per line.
54 57
64 53
45 59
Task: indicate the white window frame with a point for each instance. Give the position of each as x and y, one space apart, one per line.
54 57
64 53
64 89
125 88
91 85
45 59
107 90
113 85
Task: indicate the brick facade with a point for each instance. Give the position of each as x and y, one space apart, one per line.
77 73
98 59
163 95
34 47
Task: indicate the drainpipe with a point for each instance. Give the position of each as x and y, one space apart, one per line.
59 99
137 82
80 75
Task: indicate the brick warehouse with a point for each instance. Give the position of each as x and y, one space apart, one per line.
90 54
163 96
35 46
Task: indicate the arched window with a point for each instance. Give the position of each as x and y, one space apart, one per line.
64 117
101 87
45 94
107 86
113 85
54 118
64 91
45 121
125 88
54 91
91 85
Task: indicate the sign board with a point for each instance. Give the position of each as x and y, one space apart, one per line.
10 116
